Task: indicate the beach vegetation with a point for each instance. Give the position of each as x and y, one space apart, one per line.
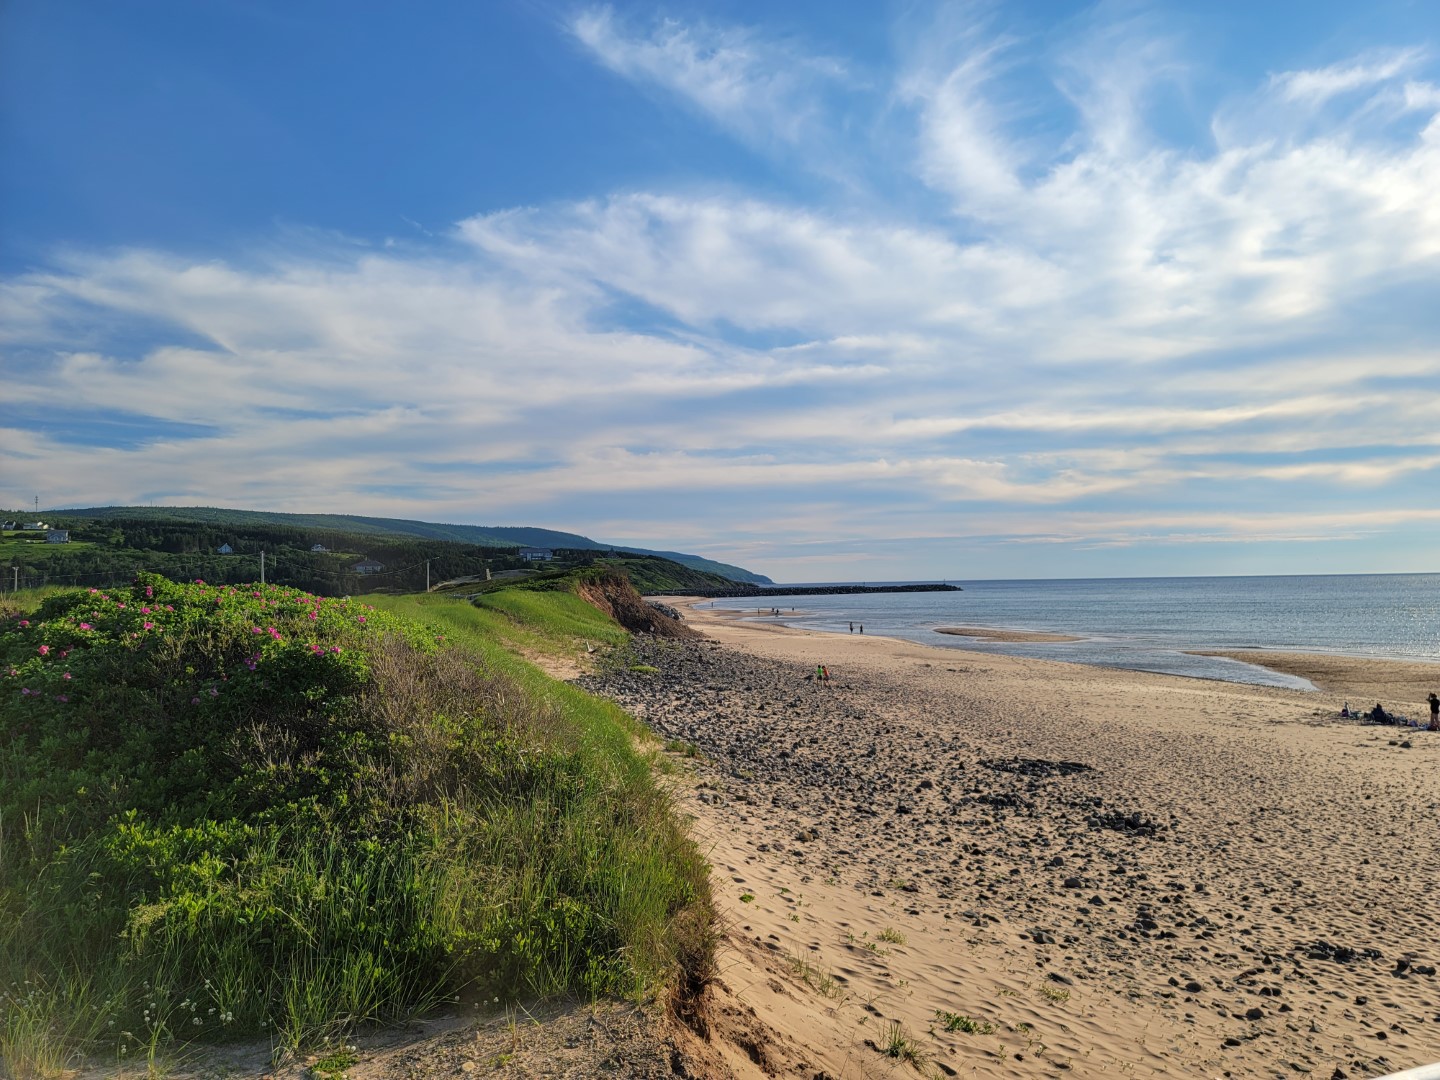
229 811
895 1043
890 934
960 1022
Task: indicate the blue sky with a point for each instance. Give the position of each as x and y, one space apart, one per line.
833 291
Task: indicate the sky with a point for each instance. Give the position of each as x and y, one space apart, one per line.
834 291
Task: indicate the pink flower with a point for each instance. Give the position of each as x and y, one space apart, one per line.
66 676
256 630
44 650
214 692
149 625
194 701
94 591
149 592
62 697
169 608
362 618
24 622
199 581
86 626
119 605
335 649
144 611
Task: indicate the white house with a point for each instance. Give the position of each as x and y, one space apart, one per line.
317 547
57 536
536 554
368 566
34 526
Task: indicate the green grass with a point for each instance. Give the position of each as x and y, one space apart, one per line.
499 625
210 830
960 1022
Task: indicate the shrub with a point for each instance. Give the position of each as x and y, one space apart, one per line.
244 809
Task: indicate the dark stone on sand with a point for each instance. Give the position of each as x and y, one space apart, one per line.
1074 883
1193 987
1254 1014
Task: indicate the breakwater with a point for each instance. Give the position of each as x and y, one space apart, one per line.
741 589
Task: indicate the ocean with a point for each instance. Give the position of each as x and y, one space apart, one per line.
1152 624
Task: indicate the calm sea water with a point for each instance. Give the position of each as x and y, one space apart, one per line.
1150 624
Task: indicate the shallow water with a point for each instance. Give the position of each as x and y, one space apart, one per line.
1150 624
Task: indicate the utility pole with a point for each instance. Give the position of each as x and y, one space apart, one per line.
427 575
16 569
262 567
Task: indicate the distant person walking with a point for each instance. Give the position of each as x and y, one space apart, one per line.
852 630
1434 711
862 628
825 673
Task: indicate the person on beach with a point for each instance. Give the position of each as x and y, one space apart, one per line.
819 674
1434 712
824 674
862 628
1379 715
852 630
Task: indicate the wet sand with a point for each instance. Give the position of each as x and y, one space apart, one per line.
984 634
1005 867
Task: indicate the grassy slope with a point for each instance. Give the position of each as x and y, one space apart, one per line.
647 574
492 535
419 818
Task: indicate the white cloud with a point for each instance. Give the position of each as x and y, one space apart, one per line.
1318 85
757 88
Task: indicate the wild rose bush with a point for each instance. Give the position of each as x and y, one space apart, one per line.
242 809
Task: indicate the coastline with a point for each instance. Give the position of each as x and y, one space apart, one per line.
1399 684
1097 870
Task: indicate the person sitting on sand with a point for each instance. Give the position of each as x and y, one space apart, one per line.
1378 714
1434 712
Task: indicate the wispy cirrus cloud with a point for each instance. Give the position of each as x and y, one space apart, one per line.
758 88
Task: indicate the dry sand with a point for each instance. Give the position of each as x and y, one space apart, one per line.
1091 872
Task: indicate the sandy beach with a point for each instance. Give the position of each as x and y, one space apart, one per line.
991 866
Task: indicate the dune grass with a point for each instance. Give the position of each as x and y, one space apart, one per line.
238 811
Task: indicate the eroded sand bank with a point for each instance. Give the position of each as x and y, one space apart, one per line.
1079 871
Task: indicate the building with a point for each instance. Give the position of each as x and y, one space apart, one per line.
34 526
368 566
225 549
57 536
317 547
536 554
9 526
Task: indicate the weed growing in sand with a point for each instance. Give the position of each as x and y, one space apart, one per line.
747 898
897 883
861 942
896 1044
822 982
961 1022
644 669
683 748
890 934
793 917
334 1065
1058 994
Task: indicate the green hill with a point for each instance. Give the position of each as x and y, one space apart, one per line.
482 535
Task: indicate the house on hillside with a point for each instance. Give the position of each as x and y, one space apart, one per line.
34 526
368 566
9 526
57 536
318 548
224 549
536 554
